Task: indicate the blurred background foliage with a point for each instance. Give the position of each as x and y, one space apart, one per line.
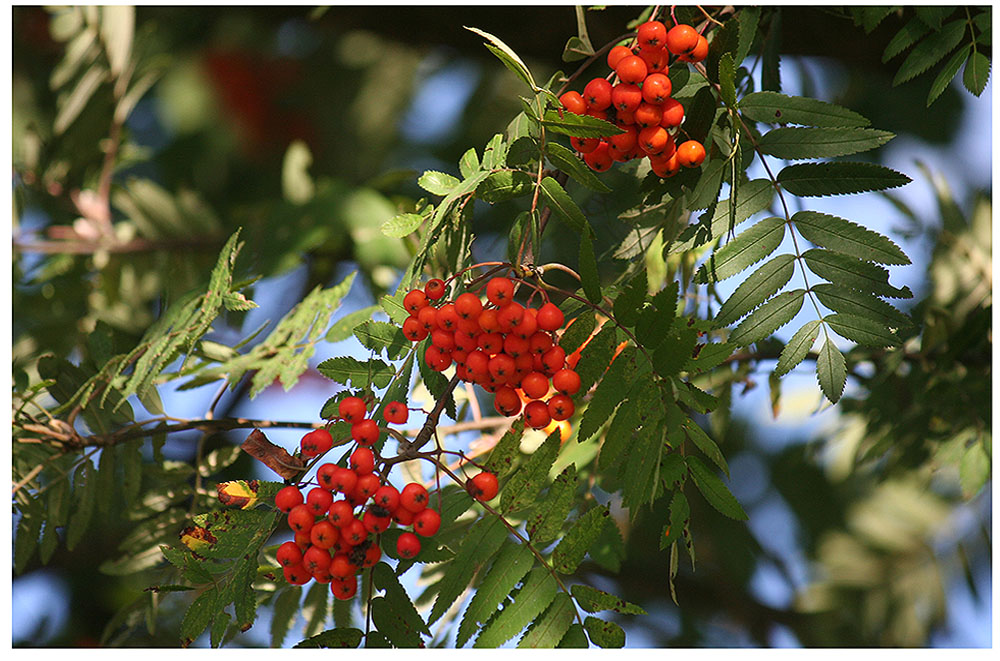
307 127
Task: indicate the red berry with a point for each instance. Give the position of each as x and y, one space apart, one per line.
408 545
540 342
341 567
403 516
365 432
434 289
656 88
318 501
414 300
699 53
682 39
375 523
345 588
372 555
631 69
554 359
536 414
366 487
657 60
396 413
362 461
289 554
442 340
550 317
316 442
515 346
673 113
296 574
352 409
483 486
597 94
426 523
584 145
501 366
468 306
413 329
654 140
535 385
573 102
648 114
343 480
566 381
287 498
301 518
427 318
500 291
617 54
341 514
491 343
560 407
665 167
324 535
690 154
386 496
600 159
317 558
354 534
626 97
414 497
651 34
506 402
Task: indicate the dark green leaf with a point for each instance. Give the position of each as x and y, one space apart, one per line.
569 553
727 80
510 566
842 235
709 356
768 318
550 627
380 335
537 592
831 371
862 304
977 73
656 319
545 524
608 394
502 456
797 348
570 163
948 73
506 55
593 600
705 443
604 634
640 472
775 108
85 494
851 272
629 301
597 356
131 460
908 35
352 372
933 16
751 246
26 535
504 185
715 490
870 17
706 192
574 638
483 540
198 616
578 331
589 276
565 208
838 178
862 330
674 351
578 126
754 196
523 486
930 51
807 142
344 637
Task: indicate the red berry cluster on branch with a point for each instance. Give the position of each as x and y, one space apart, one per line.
335 537
505 347
640 103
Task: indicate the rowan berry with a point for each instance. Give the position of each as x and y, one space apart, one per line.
690 153
528 324
403 516
501 366
317 558
354 534
362 461
318 500
301 518
483 486
598 114
344 588
699 53
386 496
573 102
343 480
584 145
681 39
352 409
554 360
626 97
654 140
468 306
651 34
436 358
396 413
375 523
296 574
616 54
434 289
341 566
289 554
447 318
414 330
535 385
324 534
491 343
515 346
427 522
287 498
536 414
316 442
657 60
600 159
620 145
673 113
341 514
631 69
506 402
414 497
510 316
414 300
566 381
550 317
665 166
366 487
488 320
500 291
597 94
656 89
560 407
408 546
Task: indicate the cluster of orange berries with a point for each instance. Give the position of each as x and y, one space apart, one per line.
505 347
640 103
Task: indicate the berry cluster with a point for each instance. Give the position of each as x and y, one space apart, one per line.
335 538
505 347
640 103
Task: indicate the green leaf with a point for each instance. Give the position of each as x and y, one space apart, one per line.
502 456
604 634
656 319
504 185
348 371
340 637
73 104
862 304
105 480
315 607
593 600
640 472
715 490
404 610
536 593
524 485
595 360
708 357
380 335
751 246
296 184
577 126
974 470
930 51
862 330
550 627
26 536
608 394
807 142
344 328
199 616
948 73
775 108
482 541
569 553
495 153
842 235
851 272
976 73
589 276
565 208
570 163
506 55
578 331
706 191
545 524
402 225
574 638
629 301
286 612
575 50
674 351
797 348
838 178
754 196
510 566
131 461
85 494
908 35
437 183
705 443
768 318
393 306
727 80
831 371
468 165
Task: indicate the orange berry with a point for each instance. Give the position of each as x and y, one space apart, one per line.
626 97
690 154
673 114
656 88
631 69
617 54
651 34
597 94
573 102
699 53
682 39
